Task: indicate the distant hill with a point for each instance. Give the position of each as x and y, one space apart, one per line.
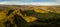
30 7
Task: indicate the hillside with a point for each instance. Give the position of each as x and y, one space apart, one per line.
28 16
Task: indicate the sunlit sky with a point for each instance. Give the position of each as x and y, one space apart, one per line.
30 2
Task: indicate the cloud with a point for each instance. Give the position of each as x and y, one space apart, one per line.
58 1
2 2
23 2
31 0
34 3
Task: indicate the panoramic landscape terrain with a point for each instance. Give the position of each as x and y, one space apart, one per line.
29 16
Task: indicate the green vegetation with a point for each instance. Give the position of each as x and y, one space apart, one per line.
50 19
44 19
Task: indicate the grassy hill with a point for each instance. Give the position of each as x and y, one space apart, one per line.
47 16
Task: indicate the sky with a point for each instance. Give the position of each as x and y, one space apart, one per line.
30 2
